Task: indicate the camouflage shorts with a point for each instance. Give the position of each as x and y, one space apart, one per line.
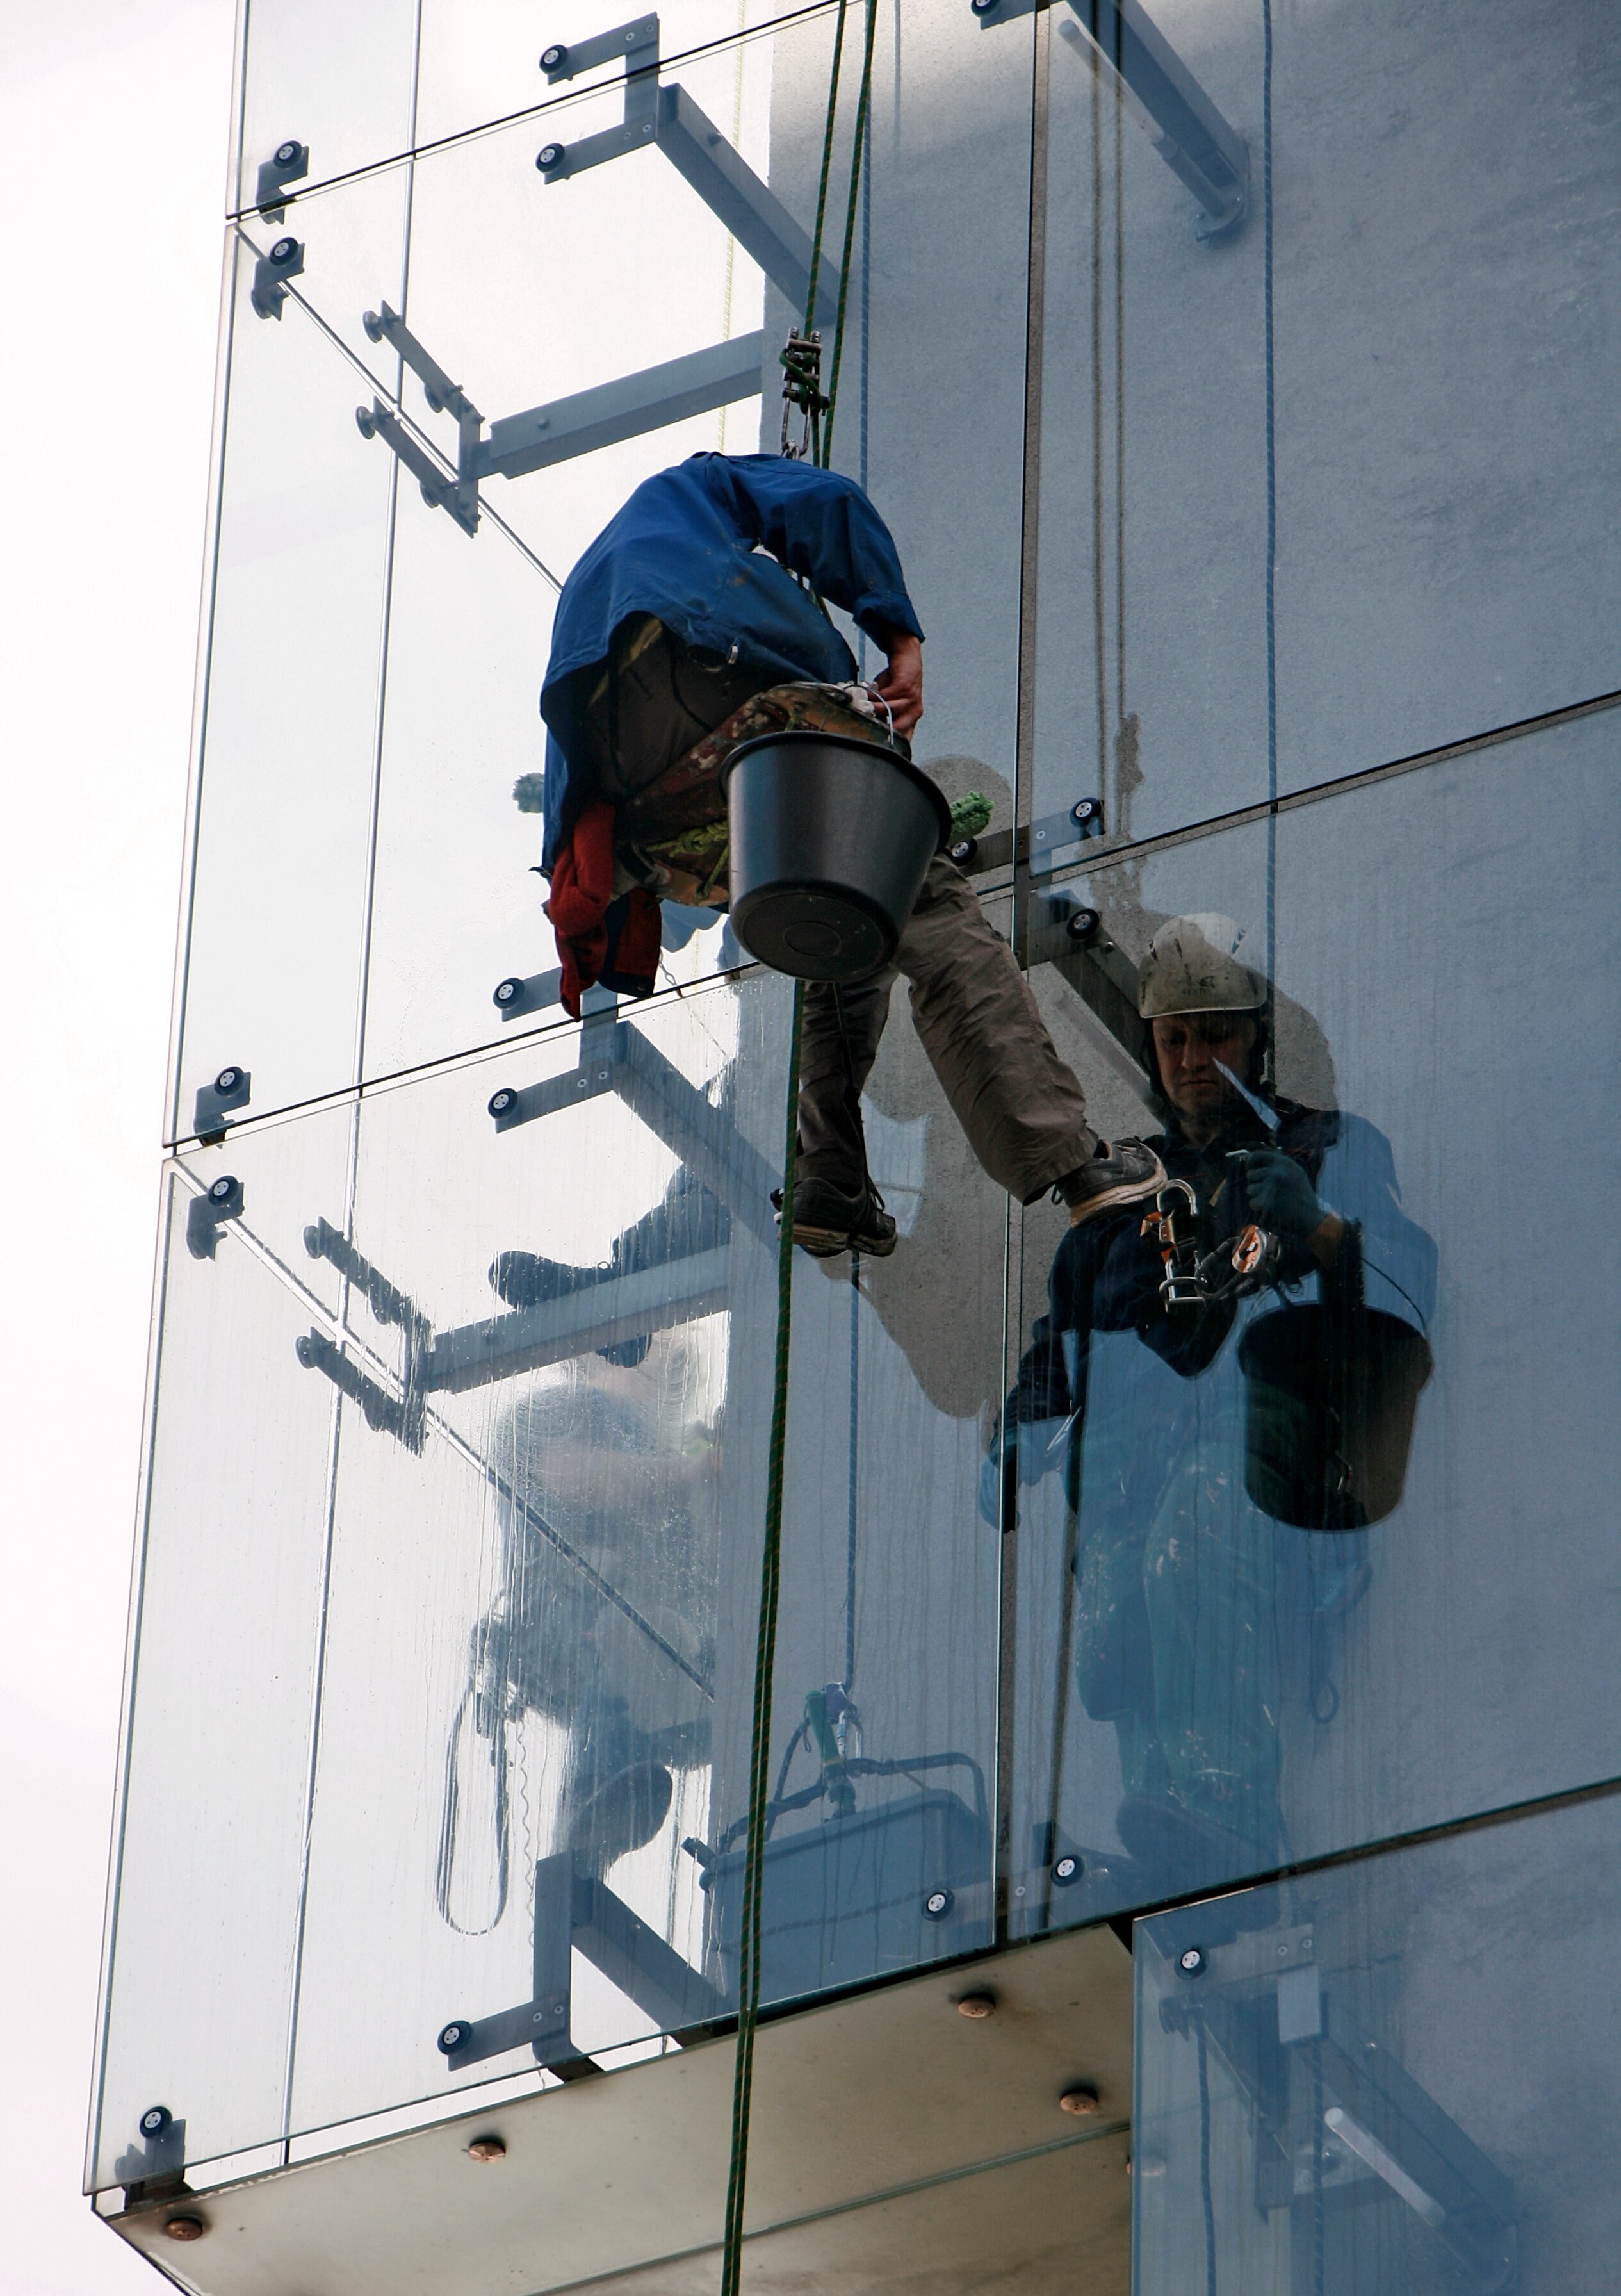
671 837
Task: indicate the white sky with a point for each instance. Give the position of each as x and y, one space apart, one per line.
114 121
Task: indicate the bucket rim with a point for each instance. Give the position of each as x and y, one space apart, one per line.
795 734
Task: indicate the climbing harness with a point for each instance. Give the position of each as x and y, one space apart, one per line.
802 390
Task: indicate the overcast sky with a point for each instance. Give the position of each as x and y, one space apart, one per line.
114 114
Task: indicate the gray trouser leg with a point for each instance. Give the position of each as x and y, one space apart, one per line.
1020 1104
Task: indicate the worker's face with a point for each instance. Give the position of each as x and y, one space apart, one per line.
1189 1045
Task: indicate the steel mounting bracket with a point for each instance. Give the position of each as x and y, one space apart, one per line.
1191 134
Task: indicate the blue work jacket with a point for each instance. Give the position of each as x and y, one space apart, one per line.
689 547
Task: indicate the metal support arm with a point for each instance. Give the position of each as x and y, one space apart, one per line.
556 432
1194 140
695 147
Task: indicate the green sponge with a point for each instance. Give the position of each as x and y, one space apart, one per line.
969 815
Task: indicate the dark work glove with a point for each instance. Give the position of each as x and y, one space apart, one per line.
1281 1196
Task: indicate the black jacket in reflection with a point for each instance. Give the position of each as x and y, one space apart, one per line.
1202 1624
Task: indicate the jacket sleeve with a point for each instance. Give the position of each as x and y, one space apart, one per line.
819 525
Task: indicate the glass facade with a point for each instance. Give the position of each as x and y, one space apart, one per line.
1230 379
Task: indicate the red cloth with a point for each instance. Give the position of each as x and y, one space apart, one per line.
601 939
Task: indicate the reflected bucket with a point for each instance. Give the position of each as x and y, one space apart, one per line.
1328 1414
831 839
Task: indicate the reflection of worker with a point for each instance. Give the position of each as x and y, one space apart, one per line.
1200 1620
608 1483
684 629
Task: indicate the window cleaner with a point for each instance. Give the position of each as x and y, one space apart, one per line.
690 626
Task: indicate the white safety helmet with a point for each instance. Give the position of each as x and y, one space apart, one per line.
1199 964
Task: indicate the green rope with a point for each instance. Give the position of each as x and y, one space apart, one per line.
827 169
862 101
749 1935
759 1746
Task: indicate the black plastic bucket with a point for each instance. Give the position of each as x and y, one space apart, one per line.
1328 1414
831 839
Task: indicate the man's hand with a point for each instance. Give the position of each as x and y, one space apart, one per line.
902 684
1281 1194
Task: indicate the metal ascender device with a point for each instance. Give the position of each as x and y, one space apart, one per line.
1202 1268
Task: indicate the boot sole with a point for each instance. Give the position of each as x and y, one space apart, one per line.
828 1243
1109 1200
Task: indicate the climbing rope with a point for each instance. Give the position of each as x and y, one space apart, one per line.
759 1744
802 374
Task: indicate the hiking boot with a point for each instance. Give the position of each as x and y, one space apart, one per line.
1116 1173
828 1221
523 1279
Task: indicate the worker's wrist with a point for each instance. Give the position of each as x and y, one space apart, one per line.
1324 1240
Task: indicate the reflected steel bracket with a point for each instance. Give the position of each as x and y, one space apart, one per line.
613 1057
1262 1997
576 1911
1191 136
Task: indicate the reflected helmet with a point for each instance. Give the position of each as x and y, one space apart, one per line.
1199 964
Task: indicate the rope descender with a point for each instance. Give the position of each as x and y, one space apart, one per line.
801 362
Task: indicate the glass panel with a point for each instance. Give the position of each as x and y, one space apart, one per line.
626 247
546 1581
207 1880
1447 530
1308 1567
1152 671
1319 2105
338 80
930 410
469 623
274 932
1444 521
482 63
353 238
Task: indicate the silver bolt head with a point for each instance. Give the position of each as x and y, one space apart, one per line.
1191 1960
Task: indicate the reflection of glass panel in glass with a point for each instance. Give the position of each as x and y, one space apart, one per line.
1152 666
338 80
206 1900
1319 2092
482 63
1303 1567
273 932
